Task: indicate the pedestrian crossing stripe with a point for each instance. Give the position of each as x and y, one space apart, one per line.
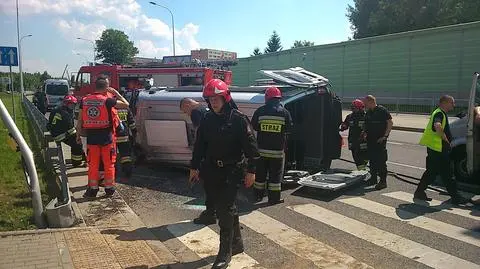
435 204
204 242
298 243
395 243
416 220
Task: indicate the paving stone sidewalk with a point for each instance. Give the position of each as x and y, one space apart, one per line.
108 234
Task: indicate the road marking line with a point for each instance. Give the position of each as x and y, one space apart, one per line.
416 220
406 165
300 244
435 204
397 244
395 143
204 242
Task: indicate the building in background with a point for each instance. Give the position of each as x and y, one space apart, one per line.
207 55
145 61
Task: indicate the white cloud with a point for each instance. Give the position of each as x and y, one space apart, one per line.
148 49
187 36
73 29
155 27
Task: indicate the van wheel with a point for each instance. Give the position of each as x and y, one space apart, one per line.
460 164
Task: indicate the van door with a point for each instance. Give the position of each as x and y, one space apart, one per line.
473 128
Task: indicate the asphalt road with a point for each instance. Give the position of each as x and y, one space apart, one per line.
382 229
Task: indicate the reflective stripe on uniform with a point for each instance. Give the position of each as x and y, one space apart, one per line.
126 159
122 139
72 131
97 122
259 185
122 114
60 137
274 186
361 167
93 183
132 126
363 145
271 153
56 117
272 119
77 157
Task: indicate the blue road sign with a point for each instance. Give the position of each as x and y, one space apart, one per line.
8 56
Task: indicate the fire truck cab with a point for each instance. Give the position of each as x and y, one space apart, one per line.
162 76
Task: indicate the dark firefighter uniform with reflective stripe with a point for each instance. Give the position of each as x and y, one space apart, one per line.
355 123
272 122
61 126
125 133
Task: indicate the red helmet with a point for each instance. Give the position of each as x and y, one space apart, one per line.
272 92
217 87
69 100
358 104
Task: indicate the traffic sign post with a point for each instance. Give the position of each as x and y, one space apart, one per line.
9 57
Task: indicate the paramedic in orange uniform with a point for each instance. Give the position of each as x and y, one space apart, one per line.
99 119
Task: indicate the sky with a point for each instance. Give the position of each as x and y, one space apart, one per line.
237 26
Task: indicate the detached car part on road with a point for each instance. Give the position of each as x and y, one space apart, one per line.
166 135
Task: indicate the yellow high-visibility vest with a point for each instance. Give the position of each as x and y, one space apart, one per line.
430 138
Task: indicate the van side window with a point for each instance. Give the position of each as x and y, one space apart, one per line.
84 79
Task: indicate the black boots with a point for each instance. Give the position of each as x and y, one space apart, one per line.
207 217
90 193
109 191
224 255
372 181
381 185
421 195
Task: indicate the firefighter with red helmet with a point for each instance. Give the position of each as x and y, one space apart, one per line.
98 117
62 128
272 122
225 147
355 123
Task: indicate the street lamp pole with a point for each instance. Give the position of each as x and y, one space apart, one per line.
20 57
94 47
173 23
79 54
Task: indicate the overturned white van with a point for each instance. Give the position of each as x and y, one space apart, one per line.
166 135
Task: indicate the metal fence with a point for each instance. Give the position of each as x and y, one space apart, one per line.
38 121
411 105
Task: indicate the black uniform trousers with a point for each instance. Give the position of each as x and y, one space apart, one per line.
273 168
359 154
76 150
377 153
125 154
221 186
438 163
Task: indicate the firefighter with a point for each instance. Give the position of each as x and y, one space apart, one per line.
378 124
225 143
197 112
125 135
98 117
61 126
437 138
272 122
355 122
40 100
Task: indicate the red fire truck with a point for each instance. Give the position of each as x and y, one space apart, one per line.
163 76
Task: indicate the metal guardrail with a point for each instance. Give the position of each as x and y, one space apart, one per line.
410 105
27 155
39 123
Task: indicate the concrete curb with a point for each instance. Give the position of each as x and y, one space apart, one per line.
42 231
408 129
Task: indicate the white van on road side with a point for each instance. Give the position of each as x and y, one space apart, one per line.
55 90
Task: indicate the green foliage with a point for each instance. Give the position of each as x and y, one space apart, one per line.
114 47
380 17
273 44
304 43
256 52
31 81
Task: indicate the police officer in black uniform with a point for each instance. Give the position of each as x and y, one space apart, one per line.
355 123
378 124
272 122
197 112
61 126
224 140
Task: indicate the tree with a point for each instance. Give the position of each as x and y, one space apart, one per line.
300 44
379 17
44 76
256 52
114 47
273 43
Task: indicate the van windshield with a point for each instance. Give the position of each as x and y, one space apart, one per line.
57 89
